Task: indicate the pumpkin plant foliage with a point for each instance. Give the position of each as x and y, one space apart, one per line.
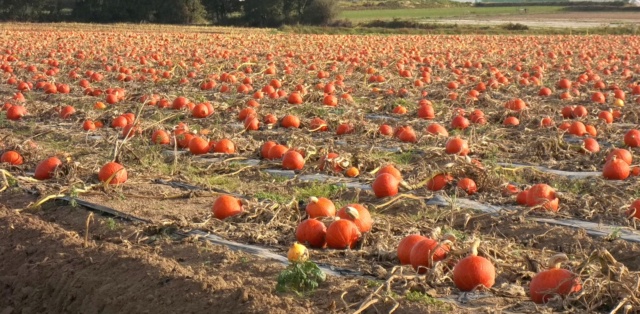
300 278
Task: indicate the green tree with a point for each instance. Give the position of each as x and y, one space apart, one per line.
220 10
264 13
181 12
318 12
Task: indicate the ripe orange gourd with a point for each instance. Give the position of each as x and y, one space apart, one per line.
632 138
457 146
119 122
226 206
406 245
88 125
318 125
200 111
345 128
16 112
567 112
606 116
622 154
12 157
425 111
198 146
244 113
473 271
577 128
438 182
477 117
264 150
160 137
515 104
359 215
385 185
330 100
554 281
184 139
385 129
521 197
224 146
616 169
468 185
179 103
251 123
66 112
290 121
292 160
320 207
295 98
130 130
113 173
406 134
277 151
46 168
437 129
459 122
400 110
390 169
426 252
311 232
545 91
352 172
591 145
542 194
634 210
580 111
511 121
342 234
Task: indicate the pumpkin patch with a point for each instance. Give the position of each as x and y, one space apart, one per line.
362 149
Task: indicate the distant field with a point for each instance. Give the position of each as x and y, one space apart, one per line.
433 13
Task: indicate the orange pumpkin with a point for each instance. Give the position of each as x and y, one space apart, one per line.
474 271
342 234
292 160
113 173
12 157
198 146
406 245
311 232
554 281
359 215
616 169
425 251
320 207
385 185
457 146
224 146
468 185
226 206
46 168
438 182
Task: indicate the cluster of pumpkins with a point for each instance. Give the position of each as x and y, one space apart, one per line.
476 272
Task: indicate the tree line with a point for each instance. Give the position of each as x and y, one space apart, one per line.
260 13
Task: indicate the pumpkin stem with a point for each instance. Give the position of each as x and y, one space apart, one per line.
556 261
352 212
313 199
450 237
474 247
440 245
